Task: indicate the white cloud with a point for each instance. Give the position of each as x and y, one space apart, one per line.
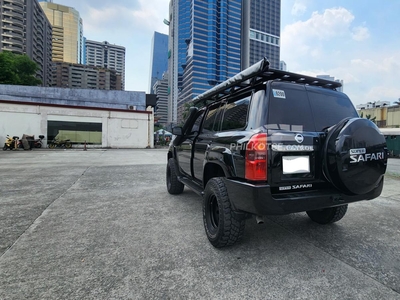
298 8
370 79
333 22
360 33
383 92
390 65
128 19
305 38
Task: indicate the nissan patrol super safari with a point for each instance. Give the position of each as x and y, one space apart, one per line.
269 142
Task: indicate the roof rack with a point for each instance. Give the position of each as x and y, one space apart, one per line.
257 73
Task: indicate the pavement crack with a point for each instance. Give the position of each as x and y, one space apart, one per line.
36 221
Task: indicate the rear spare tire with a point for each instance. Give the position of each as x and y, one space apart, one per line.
355 156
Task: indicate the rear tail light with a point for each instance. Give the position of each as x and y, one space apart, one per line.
256 157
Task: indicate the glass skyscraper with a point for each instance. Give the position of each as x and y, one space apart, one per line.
208 39
212 40
158 59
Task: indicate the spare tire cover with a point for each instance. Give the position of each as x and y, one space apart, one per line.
355 156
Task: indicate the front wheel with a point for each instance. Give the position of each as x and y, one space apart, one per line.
174 186
223 226
5 148
68 145
328 215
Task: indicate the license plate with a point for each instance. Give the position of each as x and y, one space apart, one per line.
295 164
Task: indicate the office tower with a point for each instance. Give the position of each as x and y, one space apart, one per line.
25 29
161 90
68 75
207 35
67 32
261 31
106 55
331 78
212 40
158 59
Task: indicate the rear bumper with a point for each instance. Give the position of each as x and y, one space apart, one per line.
258 200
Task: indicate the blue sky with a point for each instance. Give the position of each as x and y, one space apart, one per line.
357 41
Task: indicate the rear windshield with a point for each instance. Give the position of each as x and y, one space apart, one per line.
306 108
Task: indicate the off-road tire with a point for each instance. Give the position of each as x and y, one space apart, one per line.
223 226
52 145
174 186
5 148
328 215
68 145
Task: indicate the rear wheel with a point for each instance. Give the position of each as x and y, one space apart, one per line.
174 186
328 215
52 145
223 226
68 145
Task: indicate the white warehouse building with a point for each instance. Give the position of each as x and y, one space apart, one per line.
107 119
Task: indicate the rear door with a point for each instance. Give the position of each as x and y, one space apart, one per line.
298 116
294 143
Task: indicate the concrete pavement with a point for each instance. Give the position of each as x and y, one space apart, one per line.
99 224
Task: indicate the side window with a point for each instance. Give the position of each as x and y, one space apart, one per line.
213 119
235 114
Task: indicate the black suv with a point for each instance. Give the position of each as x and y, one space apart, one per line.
269 142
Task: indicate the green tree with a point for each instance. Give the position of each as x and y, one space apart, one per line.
17 69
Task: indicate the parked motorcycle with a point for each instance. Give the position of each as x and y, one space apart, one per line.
38 142
60 143
10 142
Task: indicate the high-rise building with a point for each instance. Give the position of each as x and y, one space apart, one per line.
264 17
210 41
331 78
68 75
161 90
67 32
24 29
158 59
106 55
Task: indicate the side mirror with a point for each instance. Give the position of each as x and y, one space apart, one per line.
177 131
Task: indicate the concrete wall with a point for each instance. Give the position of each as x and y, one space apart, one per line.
385 116
121 129
393 119
74 97
379 112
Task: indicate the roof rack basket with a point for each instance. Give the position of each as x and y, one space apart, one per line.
260 72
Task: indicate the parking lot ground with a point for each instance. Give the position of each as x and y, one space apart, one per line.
99 224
